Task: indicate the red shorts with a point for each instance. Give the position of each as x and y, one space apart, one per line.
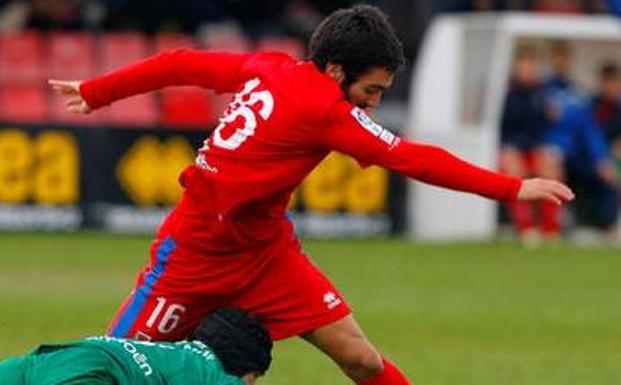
280 285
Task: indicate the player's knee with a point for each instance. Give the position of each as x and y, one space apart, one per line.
362 362
371 362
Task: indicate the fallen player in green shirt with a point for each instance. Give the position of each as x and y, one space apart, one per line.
229 347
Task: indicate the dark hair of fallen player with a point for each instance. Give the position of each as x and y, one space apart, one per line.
237 338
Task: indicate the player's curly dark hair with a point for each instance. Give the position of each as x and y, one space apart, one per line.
238 340
359 38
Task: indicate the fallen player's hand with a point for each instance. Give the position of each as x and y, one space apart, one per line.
70 91
544 189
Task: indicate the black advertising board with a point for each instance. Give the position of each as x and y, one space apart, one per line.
125 180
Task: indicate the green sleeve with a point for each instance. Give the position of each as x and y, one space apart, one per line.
161 363
11 372
107 360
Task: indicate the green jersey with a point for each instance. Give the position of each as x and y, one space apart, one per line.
107 360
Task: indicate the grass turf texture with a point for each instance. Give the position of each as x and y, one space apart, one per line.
484 314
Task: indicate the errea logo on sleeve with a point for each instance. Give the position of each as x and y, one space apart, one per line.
374 128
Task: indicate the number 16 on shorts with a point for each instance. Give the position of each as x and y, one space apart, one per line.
165 315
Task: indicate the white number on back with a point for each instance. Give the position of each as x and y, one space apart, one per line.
241 107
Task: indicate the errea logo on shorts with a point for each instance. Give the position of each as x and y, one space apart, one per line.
331 300
374 128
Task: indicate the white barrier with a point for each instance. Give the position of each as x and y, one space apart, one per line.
457 95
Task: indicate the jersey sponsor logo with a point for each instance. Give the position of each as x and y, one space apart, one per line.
200 349
366 122
374 128
140 359
331 300
201 162
161 345
387 137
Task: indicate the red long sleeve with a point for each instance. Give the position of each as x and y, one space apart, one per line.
222 72
351 132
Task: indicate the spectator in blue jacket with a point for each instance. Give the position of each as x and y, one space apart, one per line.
604 203
575 138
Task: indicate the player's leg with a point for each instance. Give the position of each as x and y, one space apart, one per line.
290 295
345 342
164 304
159 317
293 298
11 372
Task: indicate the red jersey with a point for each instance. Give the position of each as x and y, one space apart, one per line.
286 117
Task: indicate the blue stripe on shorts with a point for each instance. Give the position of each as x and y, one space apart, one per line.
126 321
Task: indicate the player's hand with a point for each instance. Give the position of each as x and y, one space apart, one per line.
544 189
70 91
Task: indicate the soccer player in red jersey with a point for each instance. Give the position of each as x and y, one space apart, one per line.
228 241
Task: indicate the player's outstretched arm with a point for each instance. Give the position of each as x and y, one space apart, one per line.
70 91
350 131
219 71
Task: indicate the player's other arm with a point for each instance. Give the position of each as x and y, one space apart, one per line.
219 71
348 130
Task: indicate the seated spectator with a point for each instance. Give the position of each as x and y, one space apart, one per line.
522 133
607 105
614 6
602 206
575 138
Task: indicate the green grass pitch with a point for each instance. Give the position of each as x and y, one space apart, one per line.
468 314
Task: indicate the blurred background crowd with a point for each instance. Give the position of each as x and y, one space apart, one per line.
258 17
255 19
551 126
